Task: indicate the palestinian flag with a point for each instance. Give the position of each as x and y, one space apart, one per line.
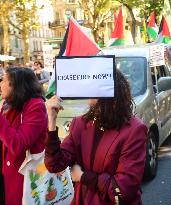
152 28
52 87
117 37
76 43
167 13
164 35
115 17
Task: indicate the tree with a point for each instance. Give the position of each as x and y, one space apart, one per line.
5 9
150 6
96 12
145 7
26 20
130 5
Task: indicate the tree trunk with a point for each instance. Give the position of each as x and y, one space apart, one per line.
95 34
25 38
133 24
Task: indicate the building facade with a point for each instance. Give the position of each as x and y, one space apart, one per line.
38 37
63 9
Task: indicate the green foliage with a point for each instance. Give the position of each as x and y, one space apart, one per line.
25 12
5 11
151 6
6 7
146 7
131 3
22 15
26 20
96 12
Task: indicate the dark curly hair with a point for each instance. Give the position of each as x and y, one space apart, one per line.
24 85
39 63
110 113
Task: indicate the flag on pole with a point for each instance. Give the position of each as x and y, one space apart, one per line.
152 28
118 33
52 87
76 43
164 35
167 13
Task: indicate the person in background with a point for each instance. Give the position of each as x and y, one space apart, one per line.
23 120
1 66
106 147
42 75
1 71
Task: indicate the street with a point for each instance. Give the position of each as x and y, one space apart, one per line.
158 191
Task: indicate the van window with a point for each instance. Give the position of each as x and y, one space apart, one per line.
134 68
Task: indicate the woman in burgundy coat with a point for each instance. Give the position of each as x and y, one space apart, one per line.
23 126
107 147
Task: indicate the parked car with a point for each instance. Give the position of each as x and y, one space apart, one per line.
150 81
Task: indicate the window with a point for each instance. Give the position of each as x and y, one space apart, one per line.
34 45
134 69
47 33
57 16
40 46
73 14
43 33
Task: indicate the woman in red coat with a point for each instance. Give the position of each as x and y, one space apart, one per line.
108 146
23 121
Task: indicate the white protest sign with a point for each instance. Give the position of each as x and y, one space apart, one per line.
48 57
85 77
157 55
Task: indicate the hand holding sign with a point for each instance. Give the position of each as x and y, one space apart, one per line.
85 77
53 106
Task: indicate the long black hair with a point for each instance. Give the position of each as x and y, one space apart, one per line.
24 85
110 113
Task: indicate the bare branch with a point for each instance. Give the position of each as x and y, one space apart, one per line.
15 26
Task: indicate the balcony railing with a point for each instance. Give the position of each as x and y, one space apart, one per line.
71 2
56 23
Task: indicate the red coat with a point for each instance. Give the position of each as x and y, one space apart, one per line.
28 131
119 153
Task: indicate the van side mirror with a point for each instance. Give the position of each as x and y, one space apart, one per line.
164 83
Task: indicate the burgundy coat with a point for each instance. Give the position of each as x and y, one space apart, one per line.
120 154
28 131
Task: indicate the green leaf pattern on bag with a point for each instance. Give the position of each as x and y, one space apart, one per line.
33 178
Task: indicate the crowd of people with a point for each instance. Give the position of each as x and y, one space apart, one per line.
42 74
105 147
